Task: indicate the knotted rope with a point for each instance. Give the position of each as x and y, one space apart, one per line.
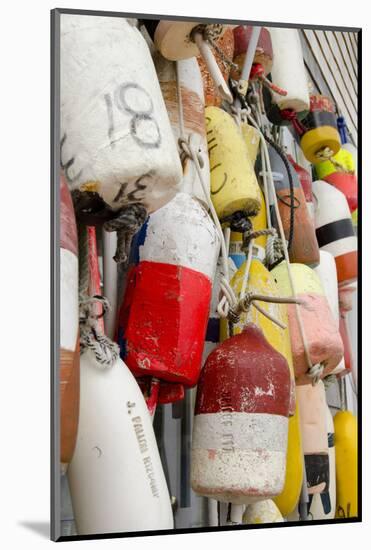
127 223
210 33
326 154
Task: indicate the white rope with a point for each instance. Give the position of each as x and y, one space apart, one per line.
314 371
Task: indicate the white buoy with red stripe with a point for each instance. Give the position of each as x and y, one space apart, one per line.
163 318
240 426
116 479
69 326
117 147
335 231
192 110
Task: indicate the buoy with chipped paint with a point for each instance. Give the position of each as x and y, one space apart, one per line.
288 499
335 231
302 245
163 317
312 406
241 420
346 453
264 511
319 508
263 54
193 112
233 182
322 334
225 45
319 130
69 377
261 281
117 147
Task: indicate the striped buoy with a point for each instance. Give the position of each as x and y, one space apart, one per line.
163 317
69 367
117 147
261 281
263 53
234 186
241 420
312 406
334 230
346 453
319 130
302 245
193 115
321 332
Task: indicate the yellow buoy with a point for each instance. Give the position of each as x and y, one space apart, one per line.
346 453
263 511
234 186
317 139
343 157
261 281
289 498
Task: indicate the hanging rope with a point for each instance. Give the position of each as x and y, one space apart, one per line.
127 223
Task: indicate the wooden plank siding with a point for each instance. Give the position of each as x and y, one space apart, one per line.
331 62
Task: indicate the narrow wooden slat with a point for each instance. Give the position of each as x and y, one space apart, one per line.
344 52
345 37
346 71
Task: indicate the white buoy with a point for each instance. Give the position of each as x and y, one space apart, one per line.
116 479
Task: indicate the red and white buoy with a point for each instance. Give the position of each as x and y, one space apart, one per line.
240 426
163 318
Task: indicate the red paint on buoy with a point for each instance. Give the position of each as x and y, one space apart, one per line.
347 184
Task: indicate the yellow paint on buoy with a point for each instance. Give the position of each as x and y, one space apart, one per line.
317 139
233 181
264 511
289 498
342 157
346 454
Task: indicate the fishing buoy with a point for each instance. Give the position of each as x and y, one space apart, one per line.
116 469
321 332
353 151
345 141
288 71
163 317
241 420
264 511
306 184
233 182
288 499
261 281
334 230
347 184
312 406
319 130
225 45
168 392
117 147
341 162
301 236
263 53
193 116
346 452
69 368
319 508
178 40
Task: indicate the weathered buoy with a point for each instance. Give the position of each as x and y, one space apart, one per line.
301 236
319 130
116 468
334 230
233 182
163 317
346 452
261 281
288 499
322 335
319 508
117 147
264 511
193 114
225 44
306 184
241 420
347 184
263 53
341 162
69 367
312 406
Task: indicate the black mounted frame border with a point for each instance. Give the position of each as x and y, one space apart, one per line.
55 493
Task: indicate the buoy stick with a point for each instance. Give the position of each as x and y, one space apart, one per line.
212 507
212 66
249 58
237 511
304 498
110 280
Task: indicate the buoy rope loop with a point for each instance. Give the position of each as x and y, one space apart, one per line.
128 222
326 154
